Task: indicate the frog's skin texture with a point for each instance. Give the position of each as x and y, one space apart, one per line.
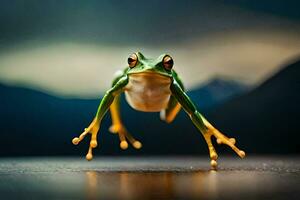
151 85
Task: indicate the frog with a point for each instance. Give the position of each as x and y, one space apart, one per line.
151 85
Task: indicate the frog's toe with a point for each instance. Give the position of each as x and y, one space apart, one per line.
75 140
137 144
123 145
241 153
213 164
89 156
219 141
232 140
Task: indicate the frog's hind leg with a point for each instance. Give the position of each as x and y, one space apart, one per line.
118 127
171 111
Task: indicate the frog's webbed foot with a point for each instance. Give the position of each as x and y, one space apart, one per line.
93 130
124 135
221 139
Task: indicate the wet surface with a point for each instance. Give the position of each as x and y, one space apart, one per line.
150 178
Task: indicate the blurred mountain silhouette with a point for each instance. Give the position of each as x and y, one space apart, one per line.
33 122
263 120
267 118
216 91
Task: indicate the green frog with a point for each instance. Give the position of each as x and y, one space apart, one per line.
151 85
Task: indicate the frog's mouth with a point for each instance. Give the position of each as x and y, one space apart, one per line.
151 75
151 72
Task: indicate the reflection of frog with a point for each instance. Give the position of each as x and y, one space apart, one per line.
151 85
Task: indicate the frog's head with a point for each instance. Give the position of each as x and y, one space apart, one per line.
138 63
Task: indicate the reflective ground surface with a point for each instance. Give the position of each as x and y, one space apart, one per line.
150 178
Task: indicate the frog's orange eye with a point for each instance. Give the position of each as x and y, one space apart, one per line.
168 62
132 60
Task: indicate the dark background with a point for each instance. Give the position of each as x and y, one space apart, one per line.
263 118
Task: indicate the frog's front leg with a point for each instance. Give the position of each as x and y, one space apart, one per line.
105 103
203 125
118 127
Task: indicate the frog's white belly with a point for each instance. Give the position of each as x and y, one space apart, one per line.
148 92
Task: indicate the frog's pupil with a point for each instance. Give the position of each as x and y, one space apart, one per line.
170 62
130 60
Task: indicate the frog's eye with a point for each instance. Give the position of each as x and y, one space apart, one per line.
132 60
168 62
